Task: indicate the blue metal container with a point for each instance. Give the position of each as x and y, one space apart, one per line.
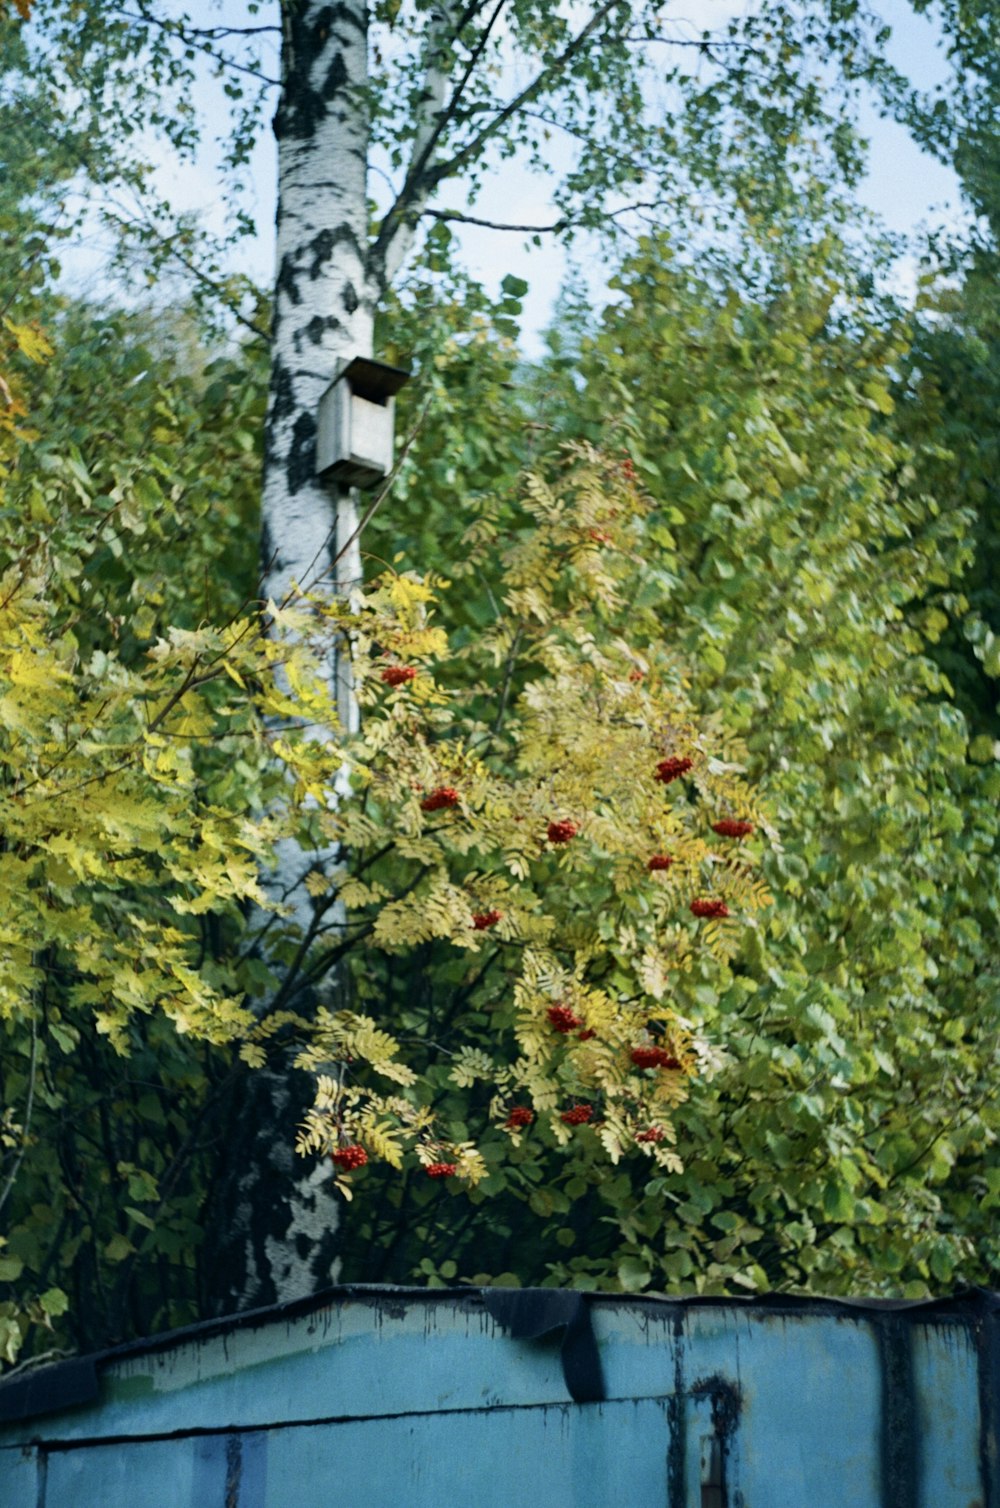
409 1398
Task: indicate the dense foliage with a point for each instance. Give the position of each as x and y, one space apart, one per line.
802 567
554 856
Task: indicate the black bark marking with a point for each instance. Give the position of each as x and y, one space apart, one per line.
287 281
349 298
303 107
283 401
336 78
323 1259
321 249
266 546
281 407
318 326
301 466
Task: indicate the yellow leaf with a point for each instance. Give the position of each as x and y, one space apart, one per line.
29 338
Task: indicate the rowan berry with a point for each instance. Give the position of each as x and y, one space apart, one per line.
563 1018
443 796
653 1057
585 1036
709 908
673 769
482 920
561 832
729 827
635 674
655 1133
519 1117
348 1158
579 1115
660 861
396 675
441 1169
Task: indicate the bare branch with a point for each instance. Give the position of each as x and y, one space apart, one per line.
26 1127
567 222
454 214
705 44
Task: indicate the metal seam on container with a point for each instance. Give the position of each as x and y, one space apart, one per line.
986 1332
42 1468
900 1438
677 1421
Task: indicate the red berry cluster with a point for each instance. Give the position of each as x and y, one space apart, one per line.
483 920
396 675
672 769
729 827
653 1057
441 1169
655 1133
709 908
660 861
443 796
599 536
578 1116
519 1117
561 832
628 470
585 1036
563 1018
349 1157
635 674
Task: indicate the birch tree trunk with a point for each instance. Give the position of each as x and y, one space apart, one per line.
274 1222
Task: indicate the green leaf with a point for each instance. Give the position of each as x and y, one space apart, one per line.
54 1302
633 1274
118 1248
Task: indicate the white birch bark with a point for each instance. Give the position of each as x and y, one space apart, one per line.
277 1237
323 313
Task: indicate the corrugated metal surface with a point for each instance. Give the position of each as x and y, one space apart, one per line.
386 1398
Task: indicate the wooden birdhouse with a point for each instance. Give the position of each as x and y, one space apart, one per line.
355 422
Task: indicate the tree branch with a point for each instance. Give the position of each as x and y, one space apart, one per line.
28 1108
396 229
454 214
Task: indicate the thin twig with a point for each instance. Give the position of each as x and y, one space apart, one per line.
28 1107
